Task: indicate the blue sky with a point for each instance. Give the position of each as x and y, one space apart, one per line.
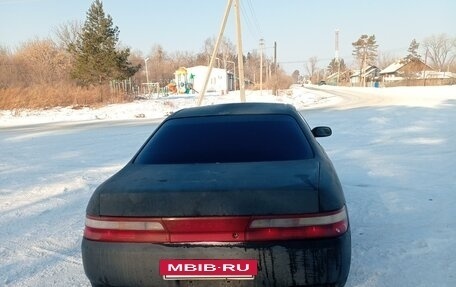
301 28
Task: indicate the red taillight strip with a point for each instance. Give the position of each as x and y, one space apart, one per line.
123 224
298 227
299 221
217 229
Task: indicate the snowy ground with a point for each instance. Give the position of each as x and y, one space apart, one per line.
157 107
394 149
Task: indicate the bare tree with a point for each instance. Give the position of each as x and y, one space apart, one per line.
385 59
8 70
4 51
311 67
440 49
159 70
68 32
43 62
136 58
183 59
226 52
252 69
453 62
251 66
281 79
206 52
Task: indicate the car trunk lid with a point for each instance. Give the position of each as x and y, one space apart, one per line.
228 189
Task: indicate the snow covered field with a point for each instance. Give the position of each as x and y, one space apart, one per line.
394 149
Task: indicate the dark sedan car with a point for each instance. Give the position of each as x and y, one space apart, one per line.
223 195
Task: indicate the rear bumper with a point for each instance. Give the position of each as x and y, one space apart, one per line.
290 263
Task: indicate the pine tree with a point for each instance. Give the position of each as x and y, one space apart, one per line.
413 52
365 50
96 57
336 66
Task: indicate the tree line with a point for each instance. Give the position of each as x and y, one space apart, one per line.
84 64
437 51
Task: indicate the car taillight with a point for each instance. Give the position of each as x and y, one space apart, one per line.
216 229
322 225
124 230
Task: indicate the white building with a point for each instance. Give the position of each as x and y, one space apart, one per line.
218 80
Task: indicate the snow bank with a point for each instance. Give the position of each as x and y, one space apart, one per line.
157 107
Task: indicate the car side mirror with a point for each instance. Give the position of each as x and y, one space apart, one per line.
320 132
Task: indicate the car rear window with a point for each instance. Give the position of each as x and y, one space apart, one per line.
223 139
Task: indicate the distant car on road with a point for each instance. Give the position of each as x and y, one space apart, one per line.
321 83
223 195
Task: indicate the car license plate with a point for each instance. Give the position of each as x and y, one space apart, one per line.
208 269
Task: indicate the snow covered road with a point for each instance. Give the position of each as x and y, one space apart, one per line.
47 175
397 166
395 154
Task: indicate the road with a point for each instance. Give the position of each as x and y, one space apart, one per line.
349 99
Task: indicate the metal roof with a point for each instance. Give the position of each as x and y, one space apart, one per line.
393 67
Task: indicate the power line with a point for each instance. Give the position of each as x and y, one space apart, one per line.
247 21
255 18
306 61
346 57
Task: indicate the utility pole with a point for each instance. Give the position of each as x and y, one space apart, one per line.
214 53
274 90
261 66
364 68
336 56
239 51
425 65
234 73
147 75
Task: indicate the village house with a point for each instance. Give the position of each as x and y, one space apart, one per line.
366 77
403 70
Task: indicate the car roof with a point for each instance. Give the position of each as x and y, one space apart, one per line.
235 109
